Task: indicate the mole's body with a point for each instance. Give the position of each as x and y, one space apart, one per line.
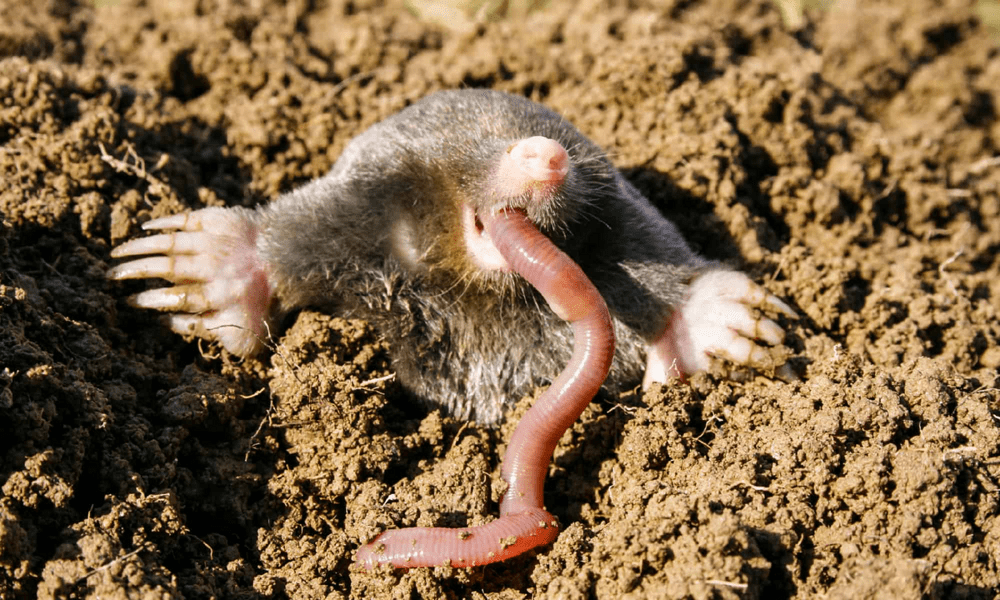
391 235
431 226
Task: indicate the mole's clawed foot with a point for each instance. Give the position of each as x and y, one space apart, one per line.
221 289
719 319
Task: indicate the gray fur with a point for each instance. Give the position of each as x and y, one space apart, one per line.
470 343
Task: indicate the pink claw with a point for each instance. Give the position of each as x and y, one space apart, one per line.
720 318
524 523
222 290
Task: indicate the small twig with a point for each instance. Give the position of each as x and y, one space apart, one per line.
253 395
777 270
950 260
729 584
363 384
260 427
138 169
888 190
960 450
348 81
982 165
458 434
757 488
110 564
944 276
211 551
266 342
625 409
204 353
711 419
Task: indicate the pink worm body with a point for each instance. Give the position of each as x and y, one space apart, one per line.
524 523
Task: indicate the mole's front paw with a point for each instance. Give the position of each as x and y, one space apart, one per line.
221 289
720 319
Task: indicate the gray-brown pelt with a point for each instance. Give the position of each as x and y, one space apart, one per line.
379 238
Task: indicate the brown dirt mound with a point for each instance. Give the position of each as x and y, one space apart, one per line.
851 164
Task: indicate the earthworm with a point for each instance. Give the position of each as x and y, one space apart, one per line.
524 523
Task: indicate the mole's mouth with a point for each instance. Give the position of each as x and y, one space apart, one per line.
527 178
478 245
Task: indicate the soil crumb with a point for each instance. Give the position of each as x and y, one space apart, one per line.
848 158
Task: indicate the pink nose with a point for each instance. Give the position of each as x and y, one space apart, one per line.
541 159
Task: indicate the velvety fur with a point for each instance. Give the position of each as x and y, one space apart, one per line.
380 238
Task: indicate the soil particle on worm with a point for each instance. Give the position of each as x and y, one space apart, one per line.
861 186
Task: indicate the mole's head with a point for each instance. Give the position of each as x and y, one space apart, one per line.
475 153
529 175
558 185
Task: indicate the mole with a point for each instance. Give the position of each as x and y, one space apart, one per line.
496 248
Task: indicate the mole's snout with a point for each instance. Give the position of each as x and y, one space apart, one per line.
536 164
541 159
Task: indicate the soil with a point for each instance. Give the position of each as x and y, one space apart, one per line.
847 159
